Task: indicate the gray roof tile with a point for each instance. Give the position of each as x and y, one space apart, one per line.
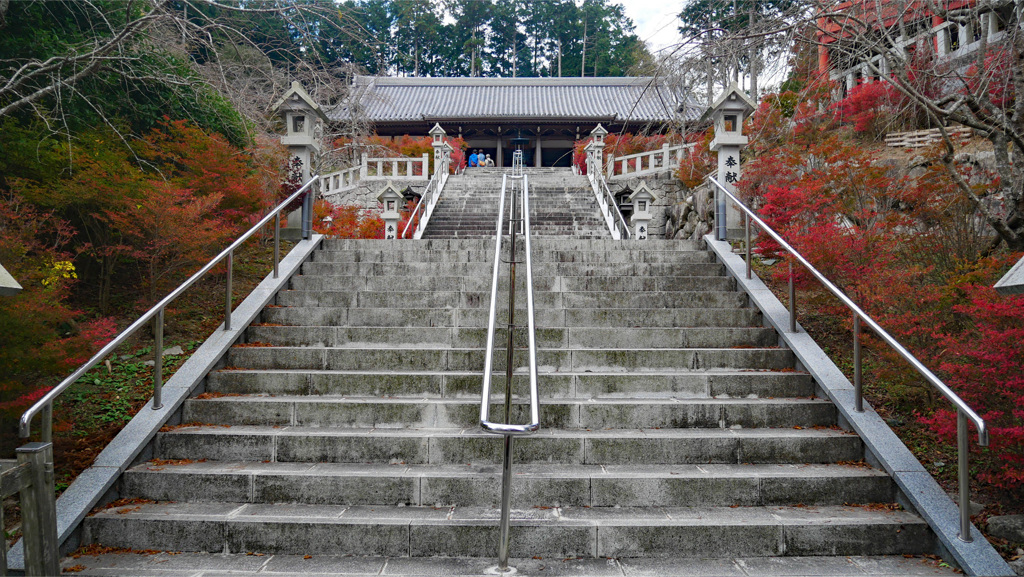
633 99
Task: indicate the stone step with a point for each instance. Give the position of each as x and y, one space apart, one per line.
536 485
539 256
544 297
438 337
465 384
483 281
472 531
370 412
453 244
548 360
477 318
183 564
621 276
288 444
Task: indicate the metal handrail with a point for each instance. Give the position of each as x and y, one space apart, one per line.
605 200
964 411
420 207
613 209
506 429
45 404
431 194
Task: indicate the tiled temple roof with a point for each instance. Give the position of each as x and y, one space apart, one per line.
619 99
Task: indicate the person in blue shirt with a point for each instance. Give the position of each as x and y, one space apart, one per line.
473 159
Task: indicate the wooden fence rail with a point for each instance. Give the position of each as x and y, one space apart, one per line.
31 475
922 138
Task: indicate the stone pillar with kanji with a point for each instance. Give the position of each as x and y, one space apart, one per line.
303 121
728 112
437 135
643 199
391 201
597 145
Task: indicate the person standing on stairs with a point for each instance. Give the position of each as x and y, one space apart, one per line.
488 162
473 160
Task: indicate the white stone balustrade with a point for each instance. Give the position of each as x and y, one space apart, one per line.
651 162
376 168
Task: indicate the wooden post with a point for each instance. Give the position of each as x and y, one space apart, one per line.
39 510
3 543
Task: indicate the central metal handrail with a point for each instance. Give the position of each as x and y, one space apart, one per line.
520 187
45 404
964 411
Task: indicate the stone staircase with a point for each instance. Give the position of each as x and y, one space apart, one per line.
342 437
562 204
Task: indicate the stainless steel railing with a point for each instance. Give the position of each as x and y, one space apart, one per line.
156 314
605 201
520 196
964 412
613 209
425 207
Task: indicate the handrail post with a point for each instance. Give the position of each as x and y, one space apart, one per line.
746 220
158 360
46 424
277 242
506 467
39 510
963 474
792 300
227 299
307 215
858 388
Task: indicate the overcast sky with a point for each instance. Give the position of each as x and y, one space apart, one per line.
655 20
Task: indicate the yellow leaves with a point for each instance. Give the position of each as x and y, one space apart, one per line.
63 269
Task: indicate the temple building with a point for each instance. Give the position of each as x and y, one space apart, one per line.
543 116
907 27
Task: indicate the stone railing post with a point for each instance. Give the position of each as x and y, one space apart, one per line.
363 170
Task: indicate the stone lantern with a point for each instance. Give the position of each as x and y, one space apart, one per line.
728 112
303 121
437 135
642 199
392 200
598 133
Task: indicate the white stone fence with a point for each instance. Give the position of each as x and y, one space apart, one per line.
664 159
376 168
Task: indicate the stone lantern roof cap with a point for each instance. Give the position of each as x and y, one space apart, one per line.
296 98
1012 282
732 99
9 286
643 191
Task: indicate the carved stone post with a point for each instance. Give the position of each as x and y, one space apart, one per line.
642 200
392 201
303 121
437 141
728 112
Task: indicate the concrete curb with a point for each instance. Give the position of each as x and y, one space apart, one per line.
923 493
90 486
